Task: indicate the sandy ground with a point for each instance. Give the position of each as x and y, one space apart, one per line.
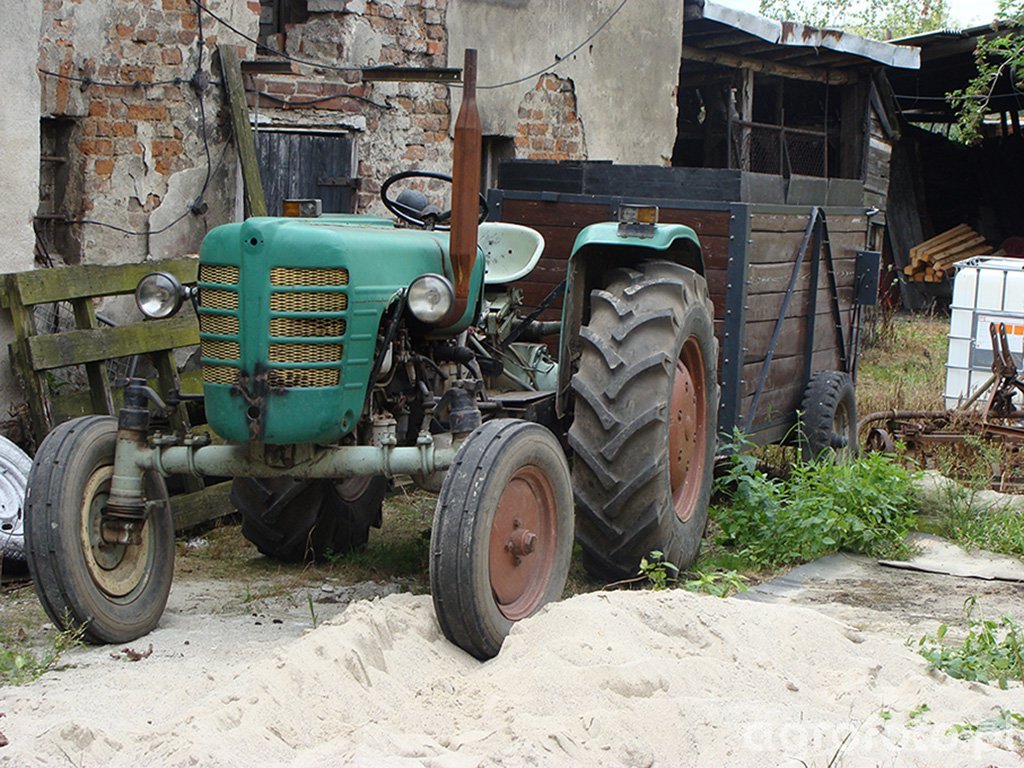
812 669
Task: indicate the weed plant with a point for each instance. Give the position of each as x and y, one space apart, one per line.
19 665
865 505
992 650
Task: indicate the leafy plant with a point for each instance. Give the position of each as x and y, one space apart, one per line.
1002 720
864 505
915 717
991 651
880 19
995 58
716 583
19 665
658 571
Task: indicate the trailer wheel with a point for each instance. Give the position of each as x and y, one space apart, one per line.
297 521
502 535
645 423
829 418
116 592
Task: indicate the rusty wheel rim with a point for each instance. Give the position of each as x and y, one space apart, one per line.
523 543
687 431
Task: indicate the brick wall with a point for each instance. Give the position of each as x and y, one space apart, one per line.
549 127
399 126
138 152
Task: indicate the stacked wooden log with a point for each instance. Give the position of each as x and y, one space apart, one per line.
933 259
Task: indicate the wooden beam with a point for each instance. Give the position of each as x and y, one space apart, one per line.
231 71
44 286
84 346
756 65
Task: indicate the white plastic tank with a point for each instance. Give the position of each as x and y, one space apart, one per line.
985 290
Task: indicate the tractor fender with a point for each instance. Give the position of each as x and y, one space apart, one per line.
598 249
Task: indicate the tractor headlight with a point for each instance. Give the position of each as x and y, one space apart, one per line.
159 295
430 298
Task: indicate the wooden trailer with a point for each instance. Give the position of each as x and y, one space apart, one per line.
761 260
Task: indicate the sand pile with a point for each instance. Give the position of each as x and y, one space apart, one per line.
605 679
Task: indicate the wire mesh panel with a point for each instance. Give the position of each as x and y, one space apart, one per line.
776 149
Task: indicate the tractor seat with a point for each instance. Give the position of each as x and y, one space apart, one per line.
511 250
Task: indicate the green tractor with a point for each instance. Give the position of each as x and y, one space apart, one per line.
339 351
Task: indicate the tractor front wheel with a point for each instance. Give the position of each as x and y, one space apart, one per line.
644 428
502 535
297 521
115 592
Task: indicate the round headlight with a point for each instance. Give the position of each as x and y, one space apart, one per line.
430 298
159 294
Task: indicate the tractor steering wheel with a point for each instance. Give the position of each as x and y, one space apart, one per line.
428 216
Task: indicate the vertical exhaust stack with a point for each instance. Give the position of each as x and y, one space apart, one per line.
465 189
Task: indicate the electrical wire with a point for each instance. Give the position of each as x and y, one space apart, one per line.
274 52
88 81
199 84
335 68
318 100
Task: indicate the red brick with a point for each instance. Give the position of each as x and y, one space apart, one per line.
104 167
123 129
171 56
95 147
147 35
164 167
122 30
98 108
171 147
147 112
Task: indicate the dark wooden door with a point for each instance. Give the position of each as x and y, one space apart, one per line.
305 164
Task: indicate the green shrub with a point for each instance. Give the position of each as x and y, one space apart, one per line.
863 505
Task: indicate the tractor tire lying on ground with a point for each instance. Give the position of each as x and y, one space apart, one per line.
645 423
308 520
829 416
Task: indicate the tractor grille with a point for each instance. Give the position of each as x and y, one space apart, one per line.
218 273
220 374
214 298
219 325
306 327
221 350
305 353
222 325
304 377
294 301
311 304
314 278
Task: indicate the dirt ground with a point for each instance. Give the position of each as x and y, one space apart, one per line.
262 664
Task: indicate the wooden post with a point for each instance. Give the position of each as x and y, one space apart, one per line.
746 110
231 71
99 383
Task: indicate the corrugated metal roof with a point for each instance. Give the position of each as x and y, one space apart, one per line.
788 33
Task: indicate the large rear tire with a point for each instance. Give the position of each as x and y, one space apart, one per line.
502 535
298 521
645 422
116 592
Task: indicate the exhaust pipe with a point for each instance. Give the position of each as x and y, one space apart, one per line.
465 190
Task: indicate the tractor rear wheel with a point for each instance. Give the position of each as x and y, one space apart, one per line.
308 520
502 535
645 423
